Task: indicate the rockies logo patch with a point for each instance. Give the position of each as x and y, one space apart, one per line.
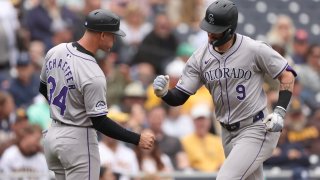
101 105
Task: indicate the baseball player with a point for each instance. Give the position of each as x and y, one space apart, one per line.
232 66
75 88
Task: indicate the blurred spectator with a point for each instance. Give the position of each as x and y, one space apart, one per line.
288 156
300 46
37 53
26 155
41 20
315 121
73 5
10 138
7 110
282 32
134 24
204 150
153 161
309 74
136 28
190 14
26 85
177 124
114 154
9 24
132 103
169 145
134 93
106 174
143 72
304 97
61 32
159 46
116 6
88 6
118 76
7 119
272 97
299 130
29 4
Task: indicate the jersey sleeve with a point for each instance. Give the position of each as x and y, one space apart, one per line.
190 80
94 93
270 61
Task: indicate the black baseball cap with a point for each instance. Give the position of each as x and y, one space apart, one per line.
102 20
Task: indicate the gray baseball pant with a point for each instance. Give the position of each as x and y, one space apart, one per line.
72 152
246 149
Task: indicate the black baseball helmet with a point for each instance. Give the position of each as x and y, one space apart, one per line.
221 17
102 20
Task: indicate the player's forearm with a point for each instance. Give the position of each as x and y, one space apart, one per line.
175 97
286 81
110 128
286 87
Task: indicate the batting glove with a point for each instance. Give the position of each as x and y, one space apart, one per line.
274 121
161 85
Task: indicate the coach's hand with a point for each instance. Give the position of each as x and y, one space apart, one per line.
161 85
274 121
146 139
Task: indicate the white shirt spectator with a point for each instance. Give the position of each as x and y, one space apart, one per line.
150 166
179 127
122 161
13 161
135 35
9 23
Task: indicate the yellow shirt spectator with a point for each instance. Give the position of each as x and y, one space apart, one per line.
204 150
205 154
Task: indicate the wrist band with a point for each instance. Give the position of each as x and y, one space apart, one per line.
284 98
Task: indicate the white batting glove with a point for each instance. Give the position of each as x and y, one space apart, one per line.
274 121
161 85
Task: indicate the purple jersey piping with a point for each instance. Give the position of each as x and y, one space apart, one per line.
79 56
227 80
281 71
88 153
219 78
264 139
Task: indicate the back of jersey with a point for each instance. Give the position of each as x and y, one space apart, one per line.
76 86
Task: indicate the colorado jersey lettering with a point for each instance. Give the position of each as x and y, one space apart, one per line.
233 78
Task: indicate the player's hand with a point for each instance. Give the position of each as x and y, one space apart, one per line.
147 139
274 121
161 85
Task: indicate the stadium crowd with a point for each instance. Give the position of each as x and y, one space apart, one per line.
161 36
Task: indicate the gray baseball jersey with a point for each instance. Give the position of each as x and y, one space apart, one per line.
76 91
76 85
234 78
